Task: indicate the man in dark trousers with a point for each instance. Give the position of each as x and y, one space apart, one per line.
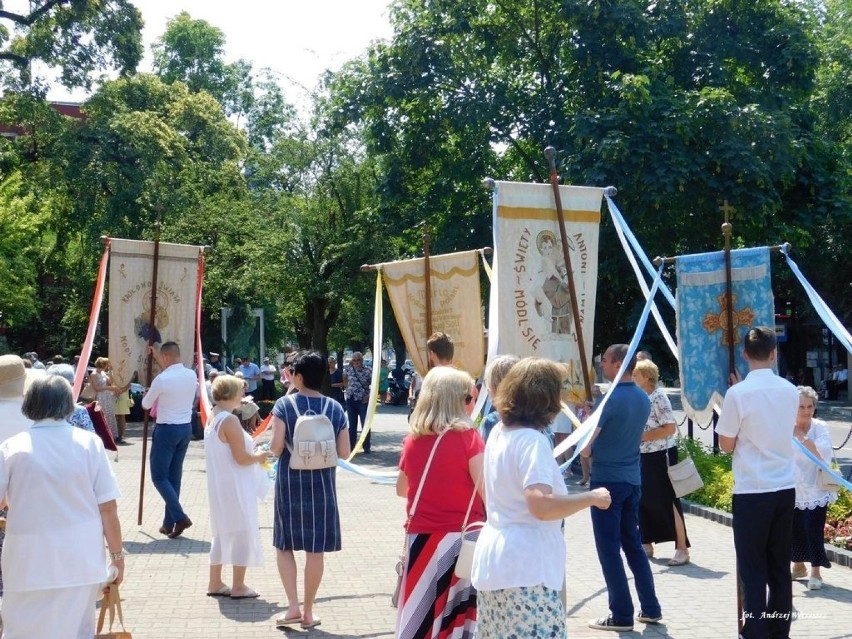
173 393
756 424
614 449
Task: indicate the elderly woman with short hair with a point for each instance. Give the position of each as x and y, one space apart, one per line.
519 563
54 556
811 500
494 374
660 510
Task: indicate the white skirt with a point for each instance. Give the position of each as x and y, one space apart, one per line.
56 613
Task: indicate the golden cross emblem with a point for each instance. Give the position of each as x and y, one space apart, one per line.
714 322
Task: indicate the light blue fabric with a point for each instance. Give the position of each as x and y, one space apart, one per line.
700 304
822 464
637 248
822 309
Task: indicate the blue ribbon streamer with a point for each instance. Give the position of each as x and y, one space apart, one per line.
822 464
819 304
637 248
377 477
581 436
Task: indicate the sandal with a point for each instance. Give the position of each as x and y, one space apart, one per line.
681 558
284 622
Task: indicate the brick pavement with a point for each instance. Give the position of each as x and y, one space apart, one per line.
163 595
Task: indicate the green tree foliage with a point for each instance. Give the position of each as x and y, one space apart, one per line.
678 103
78 37
192 52
19 229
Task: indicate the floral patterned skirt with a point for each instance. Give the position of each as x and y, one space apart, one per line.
533 612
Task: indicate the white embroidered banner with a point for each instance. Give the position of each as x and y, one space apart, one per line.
456 306
130 282
533 303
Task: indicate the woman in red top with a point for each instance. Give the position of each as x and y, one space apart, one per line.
434 603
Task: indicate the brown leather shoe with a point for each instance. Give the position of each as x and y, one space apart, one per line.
180 526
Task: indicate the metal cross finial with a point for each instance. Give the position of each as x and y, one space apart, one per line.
727 209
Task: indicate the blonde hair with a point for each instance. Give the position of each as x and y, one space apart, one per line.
227 387
441 404
101 363
497 370
648 370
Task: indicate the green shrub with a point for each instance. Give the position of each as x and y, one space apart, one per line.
716 472
718 478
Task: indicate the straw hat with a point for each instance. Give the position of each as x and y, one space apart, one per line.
12 377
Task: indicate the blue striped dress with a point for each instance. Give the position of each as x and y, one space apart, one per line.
306 515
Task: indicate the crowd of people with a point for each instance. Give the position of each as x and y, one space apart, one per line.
501 474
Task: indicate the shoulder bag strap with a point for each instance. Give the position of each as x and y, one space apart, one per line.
423 480
472 498
294 404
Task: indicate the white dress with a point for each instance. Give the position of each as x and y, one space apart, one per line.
232 489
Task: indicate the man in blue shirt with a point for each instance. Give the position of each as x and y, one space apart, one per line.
614 449
251 373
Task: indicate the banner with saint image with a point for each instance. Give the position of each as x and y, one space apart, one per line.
532 305
702 321
456 306
130 282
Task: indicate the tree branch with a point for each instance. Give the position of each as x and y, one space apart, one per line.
14 57
35 15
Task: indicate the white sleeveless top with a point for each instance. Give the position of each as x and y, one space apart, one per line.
233 494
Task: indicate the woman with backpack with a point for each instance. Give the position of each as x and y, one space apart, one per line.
306 515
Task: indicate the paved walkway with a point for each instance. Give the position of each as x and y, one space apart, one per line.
166 579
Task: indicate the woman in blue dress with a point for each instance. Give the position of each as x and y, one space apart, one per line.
306 515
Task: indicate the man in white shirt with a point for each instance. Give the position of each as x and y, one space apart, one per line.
173 392
756 424
267 373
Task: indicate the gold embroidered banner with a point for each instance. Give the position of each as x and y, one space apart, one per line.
130 282
456 306
533 304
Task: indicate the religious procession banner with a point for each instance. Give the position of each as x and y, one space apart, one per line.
702 320
456 306
130 283
532 305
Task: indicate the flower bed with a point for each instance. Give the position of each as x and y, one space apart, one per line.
719 482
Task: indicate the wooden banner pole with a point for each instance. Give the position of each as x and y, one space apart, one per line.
550 154
727 229
149 367
427 267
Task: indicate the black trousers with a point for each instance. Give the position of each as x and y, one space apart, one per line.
763 534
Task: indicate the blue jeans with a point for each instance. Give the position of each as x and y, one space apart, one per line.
168 448
355 410
617 529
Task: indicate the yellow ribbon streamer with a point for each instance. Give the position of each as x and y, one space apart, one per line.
377 364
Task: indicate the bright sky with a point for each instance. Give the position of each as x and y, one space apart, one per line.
297 39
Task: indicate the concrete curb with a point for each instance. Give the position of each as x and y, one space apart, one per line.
837 556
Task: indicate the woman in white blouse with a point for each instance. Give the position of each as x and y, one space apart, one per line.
54 561
519 563
660 511
811 500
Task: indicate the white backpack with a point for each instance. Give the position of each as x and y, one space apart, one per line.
314 443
